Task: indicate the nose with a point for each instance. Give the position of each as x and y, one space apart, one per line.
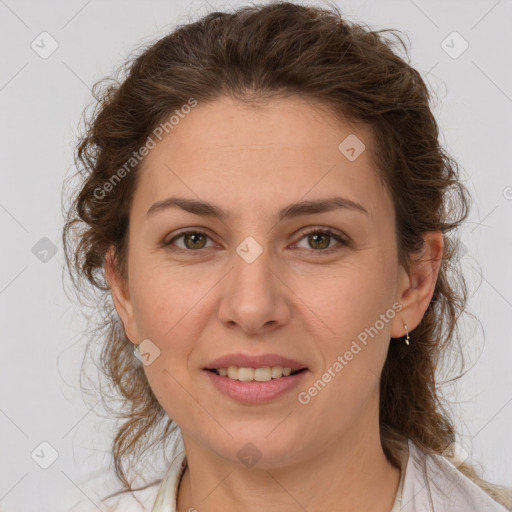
254 296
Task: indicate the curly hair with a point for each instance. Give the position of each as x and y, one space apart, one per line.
256 54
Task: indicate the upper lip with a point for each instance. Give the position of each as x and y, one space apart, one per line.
255 361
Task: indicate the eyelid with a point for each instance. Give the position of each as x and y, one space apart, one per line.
322 229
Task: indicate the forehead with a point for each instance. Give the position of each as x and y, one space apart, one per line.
262 157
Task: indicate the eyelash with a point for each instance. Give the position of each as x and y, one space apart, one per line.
313 231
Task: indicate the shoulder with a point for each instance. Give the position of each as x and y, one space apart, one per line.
157 497
433 483
165 500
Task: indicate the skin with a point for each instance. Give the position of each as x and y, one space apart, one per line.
292 300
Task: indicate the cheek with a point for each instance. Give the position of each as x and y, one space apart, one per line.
162 296
356 311
166 317
347 300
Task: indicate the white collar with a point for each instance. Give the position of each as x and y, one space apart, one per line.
428 483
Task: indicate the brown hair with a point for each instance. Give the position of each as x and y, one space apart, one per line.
255 54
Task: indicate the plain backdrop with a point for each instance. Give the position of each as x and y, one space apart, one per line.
42 337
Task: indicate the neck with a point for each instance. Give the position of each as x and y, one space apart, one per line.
351 474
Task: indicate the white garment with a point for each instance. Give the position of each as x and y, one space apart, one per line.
428 483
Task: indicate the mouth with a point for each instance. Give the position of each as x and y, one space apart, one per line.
261 374
253 386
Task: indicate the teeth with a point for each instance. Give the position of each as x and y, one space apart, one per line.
254 374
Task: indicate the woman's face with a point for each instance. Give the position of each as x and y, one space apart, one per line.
253 282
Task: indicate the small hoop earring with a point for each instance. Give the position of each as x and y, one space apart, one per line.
407 333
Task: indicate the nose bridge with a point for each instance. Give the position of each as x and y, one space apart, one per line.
252 274
254 296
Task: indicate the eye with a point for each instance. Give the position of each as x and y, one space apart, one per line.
193 241
319 240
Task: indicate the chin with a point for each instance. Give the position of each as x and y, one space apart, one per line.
256 448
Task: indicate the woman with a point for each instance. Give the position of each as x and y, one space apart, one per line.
266 201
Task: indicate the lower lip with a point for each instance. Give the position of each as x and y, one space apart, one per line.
255 392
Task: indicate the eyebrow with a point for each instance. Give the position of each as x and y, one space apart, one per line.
206 209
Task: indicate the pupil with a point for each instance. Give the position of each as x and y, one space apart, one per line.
320 235
193 238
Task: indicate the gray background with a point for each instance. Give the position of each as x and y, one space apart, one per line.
41 328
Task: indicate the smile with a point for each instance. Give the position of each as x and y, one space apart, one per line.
254 385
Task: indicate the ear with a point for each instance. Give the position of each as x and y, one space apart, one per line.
120 295
416 287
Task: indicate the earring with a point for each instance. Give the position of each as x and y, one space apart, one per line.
407 338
